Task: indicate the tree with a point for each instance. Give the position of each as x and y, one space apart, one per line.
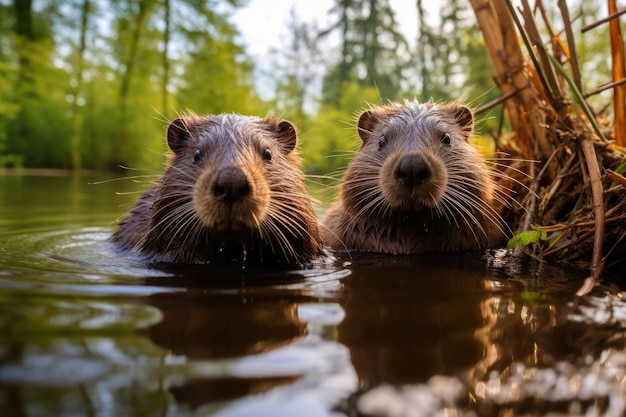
217 74
373 52
78 86
298 65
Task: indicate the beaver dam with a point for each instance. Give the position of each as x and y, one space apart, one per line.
574 209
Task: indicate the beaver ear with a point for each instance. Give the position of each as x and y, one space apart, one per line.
463 116
287 135
367 120
177 134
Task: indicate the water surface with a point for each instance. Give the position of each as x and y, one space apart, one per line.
84 331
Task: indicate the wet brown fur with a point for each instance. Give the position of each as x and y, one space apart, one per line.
420 191
233 190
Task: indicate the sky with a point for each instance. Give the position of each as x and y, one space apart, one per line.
262 24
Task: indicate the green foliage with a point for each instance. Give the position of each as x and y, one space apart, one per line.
144 61
374 53
331 138
528 237
113 116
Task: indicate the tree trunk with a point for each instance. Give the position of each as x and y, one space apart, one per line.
76 110
24 19
619 73
25 85
131 60
165 60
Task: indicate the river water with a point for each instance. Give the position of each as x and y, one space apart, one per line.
84 332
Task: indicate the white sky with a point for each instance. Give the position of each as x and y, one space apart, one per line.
262 23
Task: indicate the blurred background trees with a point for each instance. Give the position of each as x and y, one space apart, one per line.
92 84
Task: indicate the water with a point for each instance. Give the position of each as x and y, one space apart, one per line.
85 332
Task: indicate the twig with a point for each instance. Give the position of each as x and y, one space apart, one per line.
495 102
601 21
604 87
579 98
531 44
597 262
571 43
554 187
618 70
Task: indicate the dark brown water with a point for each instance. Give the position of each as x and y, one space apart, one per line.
84 332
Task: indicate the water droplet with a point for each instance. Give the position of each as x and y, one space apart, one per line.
244 257
425 227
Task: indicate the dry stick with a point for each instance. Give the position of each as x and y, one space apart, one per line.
604 87
618 70
554 187
601 21
571 43
597 262
579 98
530 44
495 102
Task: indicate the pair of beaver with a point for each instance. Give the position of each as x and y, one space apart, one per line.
234 190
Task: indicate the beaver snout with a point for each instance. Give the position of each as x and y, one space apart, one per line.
413 181
231 185
412 170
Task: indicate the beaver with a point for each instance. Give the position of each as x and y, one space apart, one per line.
416 185
233 190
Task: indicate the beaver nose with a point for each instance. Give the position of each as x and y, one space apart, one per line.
231 184
412 170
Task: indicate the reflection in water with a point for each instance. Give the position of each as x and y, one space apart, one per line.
83 332
208 326
544 351
405 323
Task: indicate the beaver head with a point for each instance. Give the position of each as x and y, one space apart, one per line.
234 189
416 171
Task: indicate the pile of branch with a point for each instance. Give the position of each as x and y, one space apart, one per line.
574 206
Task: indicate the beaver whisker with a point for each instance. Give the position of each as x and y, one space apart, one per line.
187 231
275 231
440 211
499 162
472 200
498 174
454 205
291 225
361 193
448 213
185 176
376 202
372 176
172 218
500 192
173 202
496 171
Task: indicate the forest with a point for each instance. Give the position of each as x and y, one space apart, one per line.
91 84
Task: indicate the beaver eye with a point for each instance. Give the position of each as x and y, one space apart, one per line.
197 155
382 141
445 139
267 154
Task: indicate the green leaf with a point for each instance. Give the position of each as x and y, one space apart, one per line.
526 238
543 235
